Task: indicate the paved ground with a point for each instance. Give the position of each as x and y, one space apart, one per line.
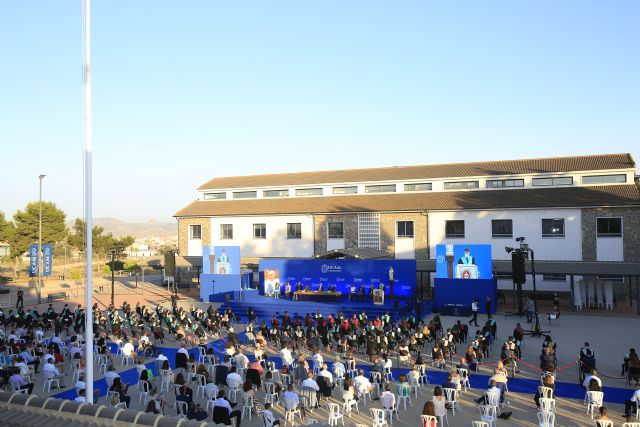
610 338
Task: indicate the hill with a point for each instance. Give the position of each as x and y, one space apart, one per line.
151 228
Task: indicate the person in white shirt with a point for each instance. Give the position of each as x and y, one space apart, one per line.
285 355
58 341
242 361
233 378
221 401
291 398
632 403
183 351
210 389
81 396
51 370
387 398
361 383
161 357
110 375
325 373
588 378
128 349
493 389
317 360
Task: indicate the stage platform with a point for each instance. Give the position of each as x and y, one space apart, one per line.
265 307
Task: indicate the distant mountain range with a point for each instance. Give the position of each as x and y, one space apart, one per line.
151 228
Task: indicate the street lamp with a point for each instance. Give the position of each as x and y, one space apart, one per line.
113 252
41 177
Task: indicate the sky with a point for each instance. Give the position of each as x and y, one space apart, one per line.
184 91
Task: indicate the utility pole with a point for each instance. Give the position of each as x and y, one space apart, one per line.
39 287
112 252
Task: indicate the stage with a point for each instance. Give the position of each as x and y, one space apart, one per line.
265 307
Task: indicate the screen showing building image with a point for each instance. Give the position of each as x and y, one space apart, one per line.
271 280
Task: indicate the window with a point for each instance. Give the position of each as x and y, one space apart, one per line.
461 185
275 193
226 231
554 277
259 231
405 228
426 186
294 230
345 190
553 228
454 228
309 192
245 194
545 182
195 232
604 179
609 227
611 278
215 196
501 228
505 183
386 188
369 230
335 230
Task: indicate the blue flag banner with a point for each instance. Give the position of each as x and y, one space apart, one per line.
33 260
47 259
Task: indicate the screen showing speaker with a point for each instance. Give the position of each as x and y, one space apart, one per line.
463 261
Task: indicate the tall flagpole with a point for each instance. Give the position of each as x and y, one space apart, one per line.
86 30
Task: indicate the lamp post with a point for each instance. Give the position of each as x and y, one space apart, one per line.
39 286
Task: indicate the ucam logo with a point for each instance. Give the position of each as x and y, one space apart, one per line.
440 259
328 268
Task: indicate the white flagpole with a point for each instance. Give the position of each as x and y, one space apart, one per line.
86 27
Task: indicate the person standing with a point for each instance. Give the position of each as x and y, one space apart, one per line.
474 312
20 301
487 307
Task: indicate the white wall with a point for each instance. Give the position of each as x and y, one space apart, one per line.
334 244
526 222
194 247
276 243
609 249
405 248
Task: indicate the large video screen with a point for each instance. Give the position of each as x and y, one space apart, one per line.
463 261
221 260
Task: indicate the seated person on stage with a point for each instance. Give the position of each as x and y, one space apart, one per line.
298 287
332 288
307 288
320 288
287 290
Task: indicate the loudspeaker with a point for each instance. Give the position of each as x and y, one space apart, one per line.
170 263
517 266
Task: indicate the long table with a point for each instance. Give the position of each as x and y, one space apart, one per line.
318 295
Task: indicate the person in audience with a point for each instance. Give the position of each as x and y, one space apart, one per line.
429 409
151 407
221 401
195 412
547 381
604 414
122 389
592 376
19 383
269 419
449 383
492 389
632 404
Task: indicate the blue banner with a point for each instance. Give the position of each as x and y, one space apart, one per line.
33 260
47 259
340 273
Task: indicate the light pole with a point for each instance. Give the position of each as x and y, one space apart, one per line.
39 287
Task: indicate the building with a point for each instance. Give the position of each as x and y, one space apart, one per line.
570 209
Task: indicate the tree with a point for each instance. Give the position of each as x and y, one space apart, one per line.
7 231
26 225
102 243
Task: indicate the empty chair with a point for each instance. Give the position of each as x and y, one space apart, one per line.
604 423
247 404
377 417
441 411
545 392
636 424
143 388
546 419
594 401
488 414
464 378
270 395
334 414
201 382
389 406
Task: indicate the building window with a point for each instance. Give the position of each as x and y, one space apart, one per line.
345 190
335 230
609 227
275 193
461 185
545 182
611 278
226 231
195 232
604 179
294 230
259 231
405 228
215 196
386 188
369 230
505 183
554 277
425 186
308 191
501 228
454 229
553 227
245 194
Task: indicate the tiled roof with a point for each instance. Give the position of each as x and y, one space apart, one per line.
452 170
606 195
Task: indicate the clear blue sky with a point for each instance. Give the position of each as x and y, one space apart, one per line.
188 90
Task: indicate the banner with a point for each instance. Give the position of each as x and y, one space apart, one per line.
33 260
47 259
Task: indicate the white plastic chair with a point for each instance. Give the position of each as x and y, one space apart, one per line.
49 379
545 392
464 378
270 395
631 424
389 406
488 414
604 423
479 424
608 295
600 293
181 409
201 382
247 404
427 420
451 397
546 419
334 414
401 397
547 405
377 417
594 401
143 388
290 411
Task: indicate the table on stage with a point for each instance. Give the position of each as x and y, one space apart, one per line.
311 295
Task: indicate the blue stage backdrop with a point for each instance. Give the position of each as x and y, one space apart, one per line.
461 291
463 261
339 272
